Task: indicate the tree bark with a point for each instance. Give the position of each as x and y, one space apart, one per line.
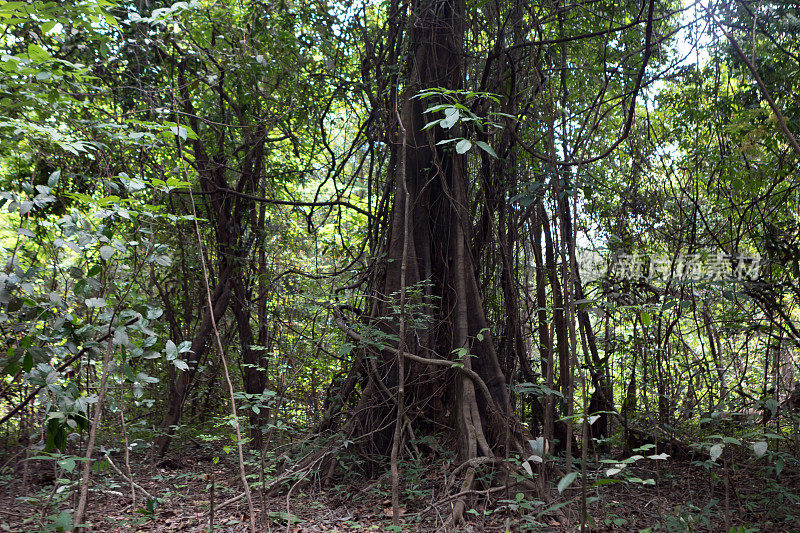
445 311
179 387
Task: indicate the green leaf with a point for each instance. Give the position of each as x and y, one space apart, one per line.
63 522
95 302
106 252
37 53
451 116
170 350
486 148
179 131
566 481
121 337
760 448
47 26
111 20
659 457
283 517
52 181
163 260
67 464
463 146
606 481
435 108
715 451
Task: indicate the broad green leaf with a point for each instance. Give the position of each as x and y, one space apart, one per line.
180 131
435 108
37 53
527 468
606 481
63 522
760 448
106 252
170 350
111 20
463 146
566 481
95 302
715 451
67 464
486 148
121 337
451 116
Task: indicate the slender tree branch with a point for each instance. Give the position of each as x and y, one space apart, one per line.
761 87
296 203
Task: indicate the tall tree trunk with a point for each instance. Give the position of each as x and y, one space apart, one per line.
179 387
466 387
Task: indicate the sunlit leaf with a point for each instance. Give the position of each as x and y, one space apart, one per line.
463 146
715 451
760 448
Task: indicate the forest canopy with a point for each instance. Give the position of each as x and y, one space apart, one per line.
488 264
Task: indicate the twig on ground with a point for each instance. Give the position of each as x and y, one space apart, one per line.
116 469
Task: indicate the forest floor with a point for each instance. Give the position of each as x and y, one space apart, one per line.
684 497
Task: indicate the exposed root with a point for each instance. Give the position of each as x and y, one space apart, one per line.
457 516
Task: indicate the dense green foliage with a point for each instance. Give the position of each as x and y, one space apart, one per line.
198 190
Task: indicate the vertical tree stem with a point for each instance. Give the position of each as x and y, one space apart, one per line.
235 418
398 424
87 465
